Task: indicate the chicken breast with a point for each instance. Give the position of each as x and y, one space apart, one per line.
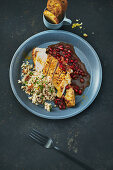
70 97
48 63
52 67
39 58
63 84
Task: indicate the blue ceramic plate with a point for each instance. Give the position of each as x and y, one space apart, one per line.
84 51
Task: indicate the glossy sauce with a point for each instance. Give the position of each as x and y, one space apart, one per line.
67 57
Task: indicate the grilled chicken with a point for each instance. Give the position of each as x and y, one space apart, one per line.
47 65
64 83
52 67
70 97
39 58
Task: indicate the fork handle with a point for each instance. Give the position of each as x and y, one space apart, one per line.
83 165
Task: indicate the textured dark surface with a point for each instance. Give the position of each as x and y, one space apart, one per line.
88 136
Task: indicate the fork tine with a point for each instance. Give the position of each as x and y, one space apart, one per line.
40 143
40 135
37 138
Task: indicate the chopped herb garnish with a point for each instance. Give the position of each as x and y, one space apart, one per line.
50 90
32 92
41 87
42 76
37 82
42 97
31 73
46 82
26 82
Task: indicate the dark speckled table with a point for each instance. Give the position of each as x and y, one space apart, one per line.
88 136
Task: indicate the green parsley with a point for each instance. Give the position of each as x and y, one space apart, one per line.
42 97
32 92
37 82
41 87
26 82
31 73
50 89
42 76
46 82
34 83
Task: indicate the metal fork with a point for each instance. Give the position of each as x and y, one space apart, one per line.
48 143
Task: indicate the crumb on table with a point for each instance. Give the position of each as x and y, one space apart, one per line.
85 35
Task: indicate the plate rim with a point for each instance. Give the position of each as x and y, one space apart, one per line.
62 116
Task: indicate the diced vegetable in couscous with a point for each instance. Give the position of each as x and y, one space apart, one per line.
48 106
